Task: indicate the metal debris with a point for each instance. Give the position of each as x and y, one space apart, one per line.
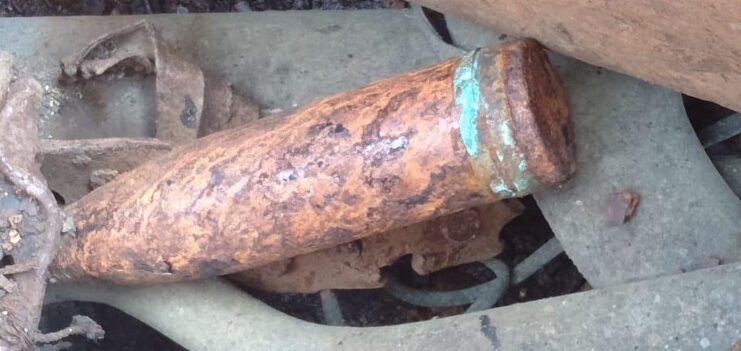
81 325
482 296
533 263
468 236
490 291
189 103
31 238
331 308
219 206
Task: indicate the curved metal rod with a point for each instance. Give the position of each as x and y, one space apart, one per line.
536 261
482 296
721 131
472 295
331 308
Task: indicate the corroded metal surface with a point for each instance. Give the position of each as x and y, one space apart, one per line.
340 169
467 236
189 102
516 130
30 221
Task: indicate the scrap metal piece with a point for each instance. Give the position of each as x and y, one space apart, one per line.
484 295
189 103
480 297
402 150
468 236
31 237
80 325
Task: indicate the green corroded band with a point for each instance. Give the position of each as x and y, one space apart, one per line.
468 99
486 125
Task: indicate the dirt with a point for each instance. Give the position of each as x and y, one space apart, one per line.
12 8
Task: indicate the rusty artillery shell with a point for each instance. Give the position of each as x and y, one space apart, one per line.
465 132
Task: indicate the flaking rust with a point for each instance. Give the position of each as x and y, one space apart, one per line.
189 104
30 220
340 169
468 236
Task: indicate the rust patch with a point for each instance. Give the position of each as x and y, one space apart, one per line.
540 114
467 236
621 207
189 104
341 169
31 219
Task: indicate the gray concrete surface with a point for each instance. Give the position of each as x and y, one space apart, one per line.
693 311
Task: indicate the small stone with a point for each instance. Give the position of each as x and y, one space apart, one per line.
68 227
704 343
5 313
181 10
14 236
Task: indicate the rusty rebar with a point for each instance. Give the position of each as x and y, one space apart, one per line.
491 125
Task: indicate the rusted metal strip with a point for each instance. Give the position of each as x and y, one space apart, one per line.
468 236
189 102
427 143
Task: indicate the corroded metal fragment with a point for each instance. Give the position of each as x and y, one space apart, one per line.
468 236
30 220
189 102
343 168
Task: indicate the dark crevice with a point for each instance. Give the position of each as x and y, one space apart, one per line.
7 260
439 23
60 199
703 113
